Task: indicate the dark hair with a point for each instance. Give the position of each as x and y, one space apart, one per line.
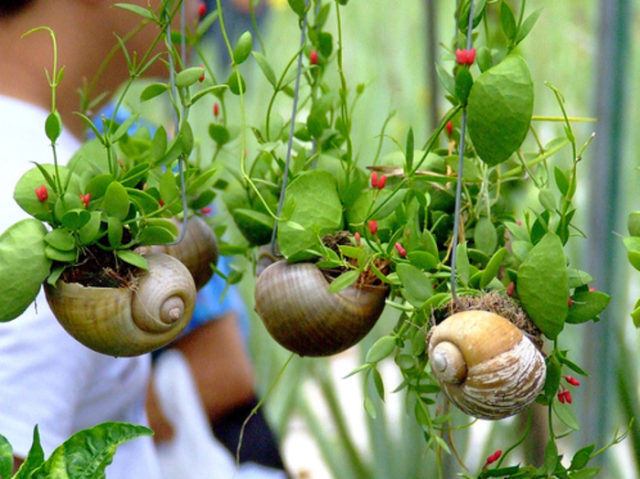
12 7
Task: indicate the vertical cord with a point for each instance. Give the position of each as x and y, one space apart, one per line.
183 55
456 216
291 130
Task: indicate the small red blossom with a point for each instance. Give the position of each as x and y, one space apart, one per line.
42 194
573 381
464 57
401 251
206 210
313 57
216 110
382 181
449 128
519 223
201 79
511 289
202 9
592 290
85 199
374 179
357 238
493 457
160 202
373 227
567 396
561 397
570 301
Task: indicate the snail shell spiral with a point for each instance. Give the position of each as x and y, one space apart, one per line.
128 321
485 365
300 313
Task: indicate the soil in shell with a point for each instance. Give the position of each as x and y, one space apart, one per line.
101 268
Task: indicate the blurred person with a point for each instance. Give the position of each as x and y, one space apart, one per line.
47 378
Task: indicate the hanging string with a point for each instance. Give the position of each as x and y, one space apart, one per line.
456 215
291 130
183 55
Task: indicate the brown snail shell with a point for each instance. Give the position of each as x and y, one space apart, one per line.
298 311
485 365
198 250
128 321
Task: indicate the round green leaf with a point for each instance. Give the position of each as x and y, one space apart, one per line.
75 219
382 348
236 85
633 223
485 236
243 48
543 285
116 201
23 266
499 109
61 239
189 77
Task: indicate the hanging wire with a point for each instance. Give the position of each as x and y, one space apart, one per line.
183 56
456 215
303 37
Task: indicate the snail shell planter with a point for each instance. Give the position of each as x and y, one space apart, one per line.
300 313
198 250
485 365
129 321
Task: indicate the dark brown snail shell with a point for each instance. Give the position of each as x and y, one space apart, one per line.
128 321
301 314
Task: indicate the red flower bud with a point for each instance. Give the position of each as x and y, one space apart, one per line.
357 238
160 202
206 210
401 251
511 289
570 301
85 199
201 79
573 381
592 290
567 396
313 57
42 194
464 57
202 9
561 397
471 56
216 110
373 227
374 179
449 128
494 457
382 181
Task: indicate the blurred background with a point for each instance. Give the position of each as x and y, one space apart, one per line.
587 49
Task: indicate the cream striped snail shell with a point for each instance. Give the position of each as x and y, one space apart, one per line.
198 250
129 321
300 313
485 365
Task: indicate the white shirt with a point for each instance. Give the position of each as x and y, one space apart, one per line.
47 377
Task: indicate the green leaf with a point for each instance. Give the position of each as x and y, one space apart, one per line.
416 284
153 90
61 239
158 145
492 268
462 264
317 209
189 76
409 151
236 83
115 231
632 244
116 201
169 191
528 25
266 68
53 126
22 249
550 457
581 458
88 452
429 243
377 381
35 458
587 305
143 12
543 285
381 349
485 236
75 219
578 278
565 414
6 458
547 200
562 182
298 6
145 203
156 235
90 231
500 108
243 48
464 83
219 134
59 255
448 82
97 186
554 374
422 260
508 20
133 258
588 473
369 406
344 281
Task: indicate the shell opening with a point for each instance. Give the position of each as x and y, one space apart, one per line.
448 362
